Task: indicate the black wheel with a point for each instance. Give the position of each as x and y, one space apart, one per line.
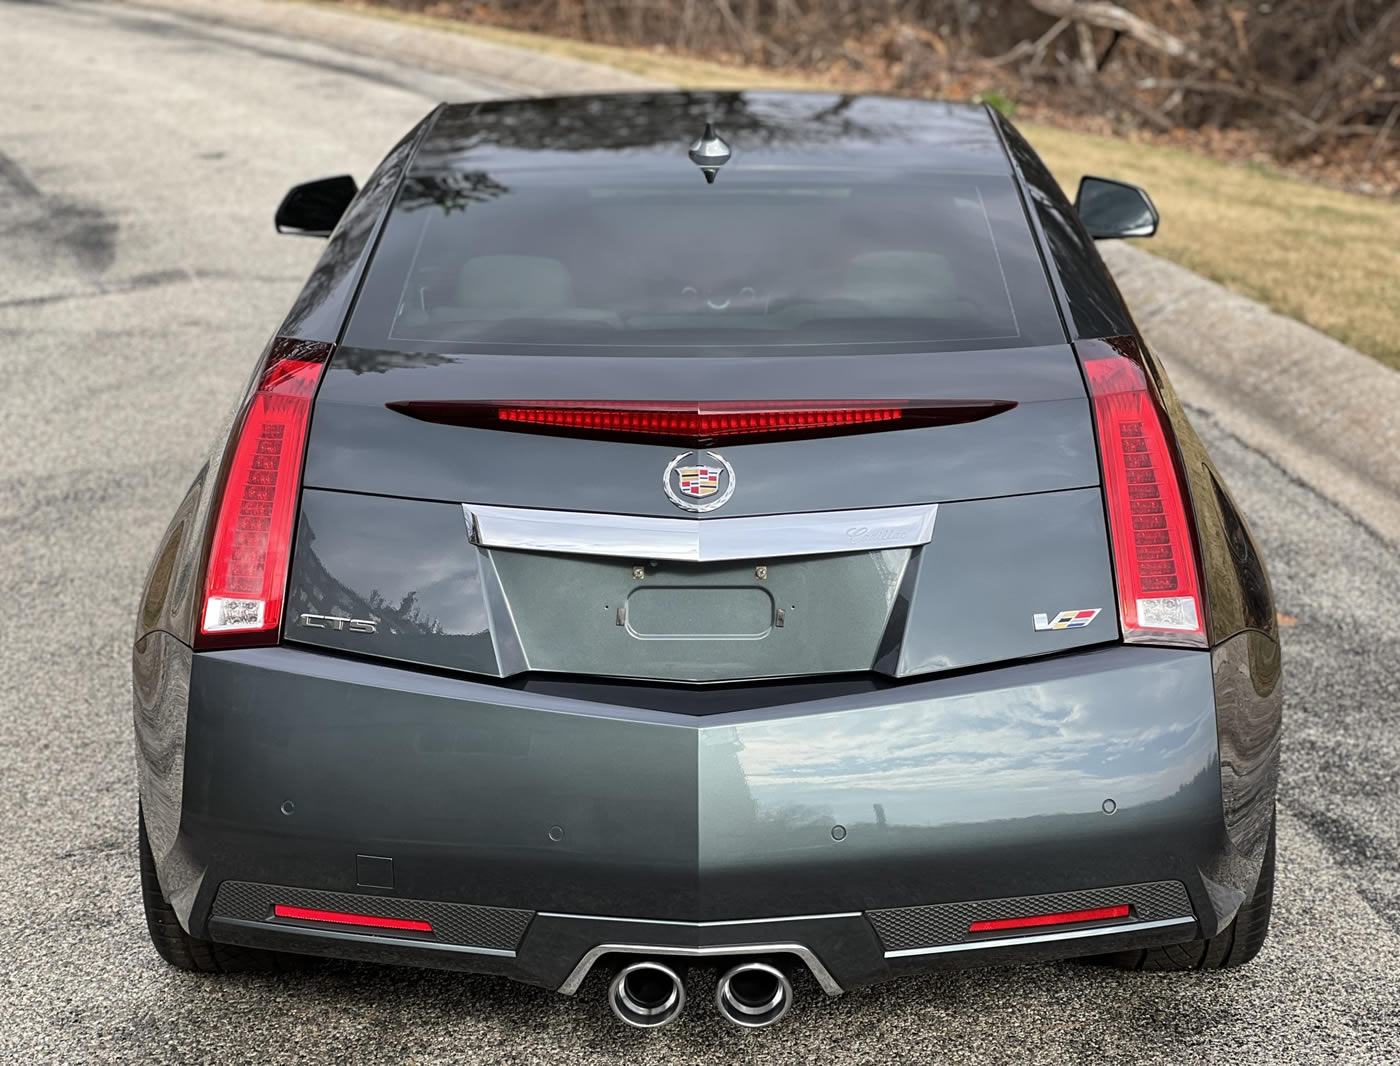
1234 945
186 952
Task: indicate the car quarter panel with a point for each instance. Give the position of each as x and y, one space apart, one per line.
171 588
171 594
1249 709
1239 595
160 676
320 309
1090 301
1237 591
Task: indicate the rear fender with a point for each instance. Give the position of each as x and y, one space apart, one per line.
1239 596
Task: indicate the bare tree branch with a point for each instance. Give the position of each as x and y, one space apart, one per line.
1381 137
1112 17
1310 73
1035 50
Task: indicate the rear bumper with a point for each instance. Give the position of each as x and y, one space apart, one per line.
776 829
558 951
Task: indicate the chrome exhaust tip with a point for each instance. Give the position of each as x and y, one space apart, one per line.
647 994
754 994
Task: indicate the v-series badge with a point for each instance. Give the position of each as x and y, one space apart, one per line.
1066 619
327 621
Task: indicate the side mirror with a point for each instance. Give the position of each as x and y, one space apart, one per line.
313 208
1115 209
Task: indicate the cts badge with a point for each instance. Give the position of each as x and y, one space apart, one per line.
329 621
1066 619
694 476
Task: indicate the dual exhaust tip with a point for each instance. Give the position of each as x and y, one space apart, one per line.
651 995
647 994
754 994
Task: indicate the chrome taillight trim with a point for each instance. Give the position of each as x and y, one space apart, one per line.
699 540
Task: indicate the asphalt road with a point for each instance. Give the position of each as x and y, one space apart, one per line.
141 156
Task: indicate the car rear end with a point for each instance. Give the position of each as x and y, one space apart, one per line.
752 570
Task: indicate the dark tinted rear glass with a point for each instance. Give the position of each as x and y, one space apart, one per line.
772 258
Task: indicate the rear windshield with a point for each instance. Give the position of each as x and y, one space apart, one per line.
550 260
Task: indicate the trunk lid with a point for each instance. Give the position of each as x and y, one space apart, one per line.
1043 444
388 535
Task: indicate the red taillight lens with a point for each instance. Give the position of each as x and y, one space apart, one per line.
1159 593
374 921
247 572
733 422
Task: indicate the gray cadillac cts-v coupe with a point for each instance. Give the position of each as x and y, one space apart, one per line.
712 529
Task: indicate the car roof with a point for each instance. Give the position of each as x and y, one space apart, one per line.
641 133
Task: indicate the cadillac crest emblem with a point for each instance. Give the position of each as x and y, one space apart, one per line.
692 477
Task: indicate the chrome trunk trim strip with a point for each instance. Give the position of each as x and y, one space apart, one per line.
1040 938
699 540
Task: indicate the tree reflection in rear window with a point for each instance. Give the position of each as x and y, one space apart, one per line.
765 260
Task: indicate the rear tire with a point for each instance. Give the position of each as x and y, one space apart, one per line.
1234 945
186 952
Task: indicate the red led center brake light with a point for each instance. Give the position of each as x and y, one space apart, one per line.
1154 554
701 423
707 422
1096 914
246 576
307 914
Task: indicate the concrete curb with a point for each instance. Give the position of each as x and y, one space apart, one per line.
1324 412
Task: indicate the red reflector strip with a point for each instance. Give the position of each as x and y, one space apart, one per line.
701 422
1097 914
306 914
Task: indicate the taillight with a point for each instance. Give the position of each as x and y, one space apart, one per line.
1159 591
703 423
246 576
